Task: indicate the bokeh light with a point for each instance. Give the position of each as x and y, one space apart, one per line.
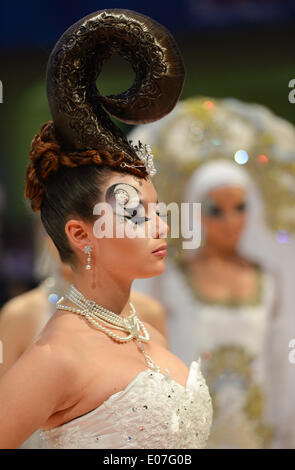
241 157
209 104
53 298
282 236
262 159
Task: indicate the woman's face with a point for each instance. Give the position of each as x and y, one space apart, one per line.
129 213
224 213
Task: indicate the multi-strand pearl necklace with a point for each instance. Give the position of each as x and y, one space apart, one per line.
94 312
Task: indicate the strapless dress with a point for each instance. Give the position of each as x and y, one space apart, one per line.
152 412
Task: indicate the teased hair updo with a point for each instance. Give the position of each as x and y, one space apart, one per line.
73 155
47 157
62 184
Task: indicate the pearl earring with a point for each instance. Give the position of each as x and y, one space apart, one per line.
88 250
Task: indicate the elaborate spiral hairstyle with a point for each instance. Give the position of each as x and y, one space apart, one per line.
71 156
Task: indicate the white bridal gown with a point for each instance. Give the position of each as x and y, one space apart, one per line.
239 360
152 412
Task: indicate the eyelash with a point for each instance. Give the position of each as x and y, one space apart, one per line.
142 219
241 207
217 212
135 219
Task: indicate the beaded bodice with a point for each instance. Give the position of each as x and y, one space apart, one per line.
152 412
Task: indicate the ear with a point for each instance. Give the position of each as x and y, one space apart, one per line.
78 233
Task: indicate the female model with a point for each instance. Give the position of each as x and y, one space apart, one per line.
98 377
226 300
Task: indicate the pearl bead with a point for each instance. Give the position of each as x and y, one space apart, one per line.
93 312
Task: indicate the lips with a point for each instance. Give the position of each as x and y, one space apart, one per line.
161 248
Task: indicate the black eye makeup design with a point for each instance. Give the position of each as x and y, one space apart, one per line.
162 211
211 209
125 198
242 207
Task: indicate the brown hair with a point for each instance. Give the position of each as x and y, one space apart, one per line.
65 184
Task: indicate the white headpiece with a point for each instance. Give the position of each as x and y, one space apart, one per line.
200 130
203 129
212 175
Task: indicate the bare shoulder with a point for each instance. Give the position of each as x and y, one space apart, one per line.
150 310
34 388
21 319
59 361
24 307
52 348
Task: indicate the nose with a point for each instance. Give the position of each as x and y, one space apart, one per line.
230 217
162 228
231 221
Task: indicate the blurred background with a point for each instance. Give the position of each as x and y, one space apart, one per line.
238 48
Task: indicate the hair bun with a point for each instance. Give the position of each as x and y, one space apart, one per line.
45 152
44 161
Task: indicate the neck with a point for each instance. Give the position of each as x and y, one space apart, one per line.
211 251
106 290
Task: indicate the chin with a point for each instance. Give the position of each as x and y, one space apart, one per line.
154 271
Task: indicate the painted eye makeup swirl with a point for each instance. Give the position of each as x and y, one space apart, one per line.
125 198
162 211
140 220
134 217
126 203
137 220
